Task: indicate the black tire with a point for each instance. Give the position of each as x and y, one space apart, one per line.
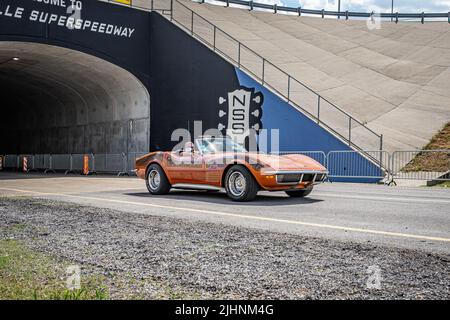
299 193
163 187
248 192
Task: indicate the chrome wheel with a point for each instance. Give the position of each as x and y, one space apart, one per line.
154 180
237 184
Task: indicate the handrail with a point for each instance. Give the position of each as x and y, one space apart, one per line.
289 78
346 14
134 6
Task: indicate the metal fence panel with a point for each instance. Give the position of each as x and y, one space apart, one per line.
61 162
109 163
116 163
368 165
99 163
358 166
39 162
11 161
421 165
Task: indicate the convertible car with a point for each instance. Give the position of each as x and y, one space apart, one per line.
216 163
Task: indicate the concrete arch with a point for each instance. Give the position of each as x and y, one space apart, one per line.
58 100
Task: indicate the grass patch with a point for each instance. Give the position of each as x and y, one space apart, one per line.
433 161
445 184
18 226
27 275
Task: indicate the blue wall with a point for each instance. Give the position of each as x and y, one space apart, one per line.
297 132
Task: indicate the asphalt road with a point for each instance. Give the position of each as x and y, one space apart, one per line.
405 217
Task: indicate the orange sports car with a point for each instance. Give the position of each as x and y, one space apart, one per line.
215 163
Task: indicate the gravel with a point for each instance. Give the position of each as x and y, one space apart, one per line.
158 257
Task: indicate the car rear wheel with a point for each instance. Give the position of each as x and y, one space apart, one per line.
299 193
156 180
240 184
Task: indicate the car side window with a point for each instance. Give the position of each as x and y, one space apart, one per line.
205 147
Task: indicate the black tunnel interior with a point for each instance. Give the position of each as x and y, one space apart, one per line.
56 100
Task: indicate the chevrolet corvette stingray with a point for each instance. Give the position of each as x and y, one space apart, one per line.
215 163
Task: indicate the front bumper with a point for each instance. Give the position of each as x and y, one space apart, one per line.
297 177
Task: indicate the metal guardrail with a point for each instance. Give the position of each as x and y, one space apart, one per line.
430 165
162 6
364 166
360 165
396 16
350 164
72 163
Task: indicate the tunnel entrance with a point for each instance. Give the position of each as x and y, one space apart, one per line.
56 100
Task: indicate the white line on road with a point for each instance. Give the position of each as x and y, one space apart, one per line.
397 199
243 216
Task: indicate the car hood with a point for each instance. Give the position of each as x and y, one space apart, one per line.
288 162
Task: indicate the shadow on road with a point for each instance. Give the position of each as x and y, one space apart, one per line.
221 198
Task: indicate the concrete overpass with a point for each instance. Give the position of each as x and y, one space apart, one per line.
58 100
73 89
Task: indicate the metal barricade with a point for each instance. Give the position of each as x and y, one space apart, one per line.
429 165
116 163
109 163
99 163
61 162
76 164
358 166
11 161
27 163
38 162
32 164
48 163
349 165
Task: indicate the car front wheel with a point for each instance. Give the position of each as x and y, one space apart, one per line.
240 184
299 193
156 180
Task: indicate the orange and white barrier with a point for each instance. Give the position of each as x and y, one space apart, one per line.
86 164
1 163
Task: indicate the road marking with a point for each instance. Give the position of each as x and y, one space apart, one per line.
396 199
235 215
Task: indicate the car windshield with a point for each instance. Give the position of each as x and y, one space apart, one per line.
215 145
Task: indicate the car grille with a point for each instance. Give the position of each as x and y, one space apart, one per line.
309 177
321 176
288 178
292 178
